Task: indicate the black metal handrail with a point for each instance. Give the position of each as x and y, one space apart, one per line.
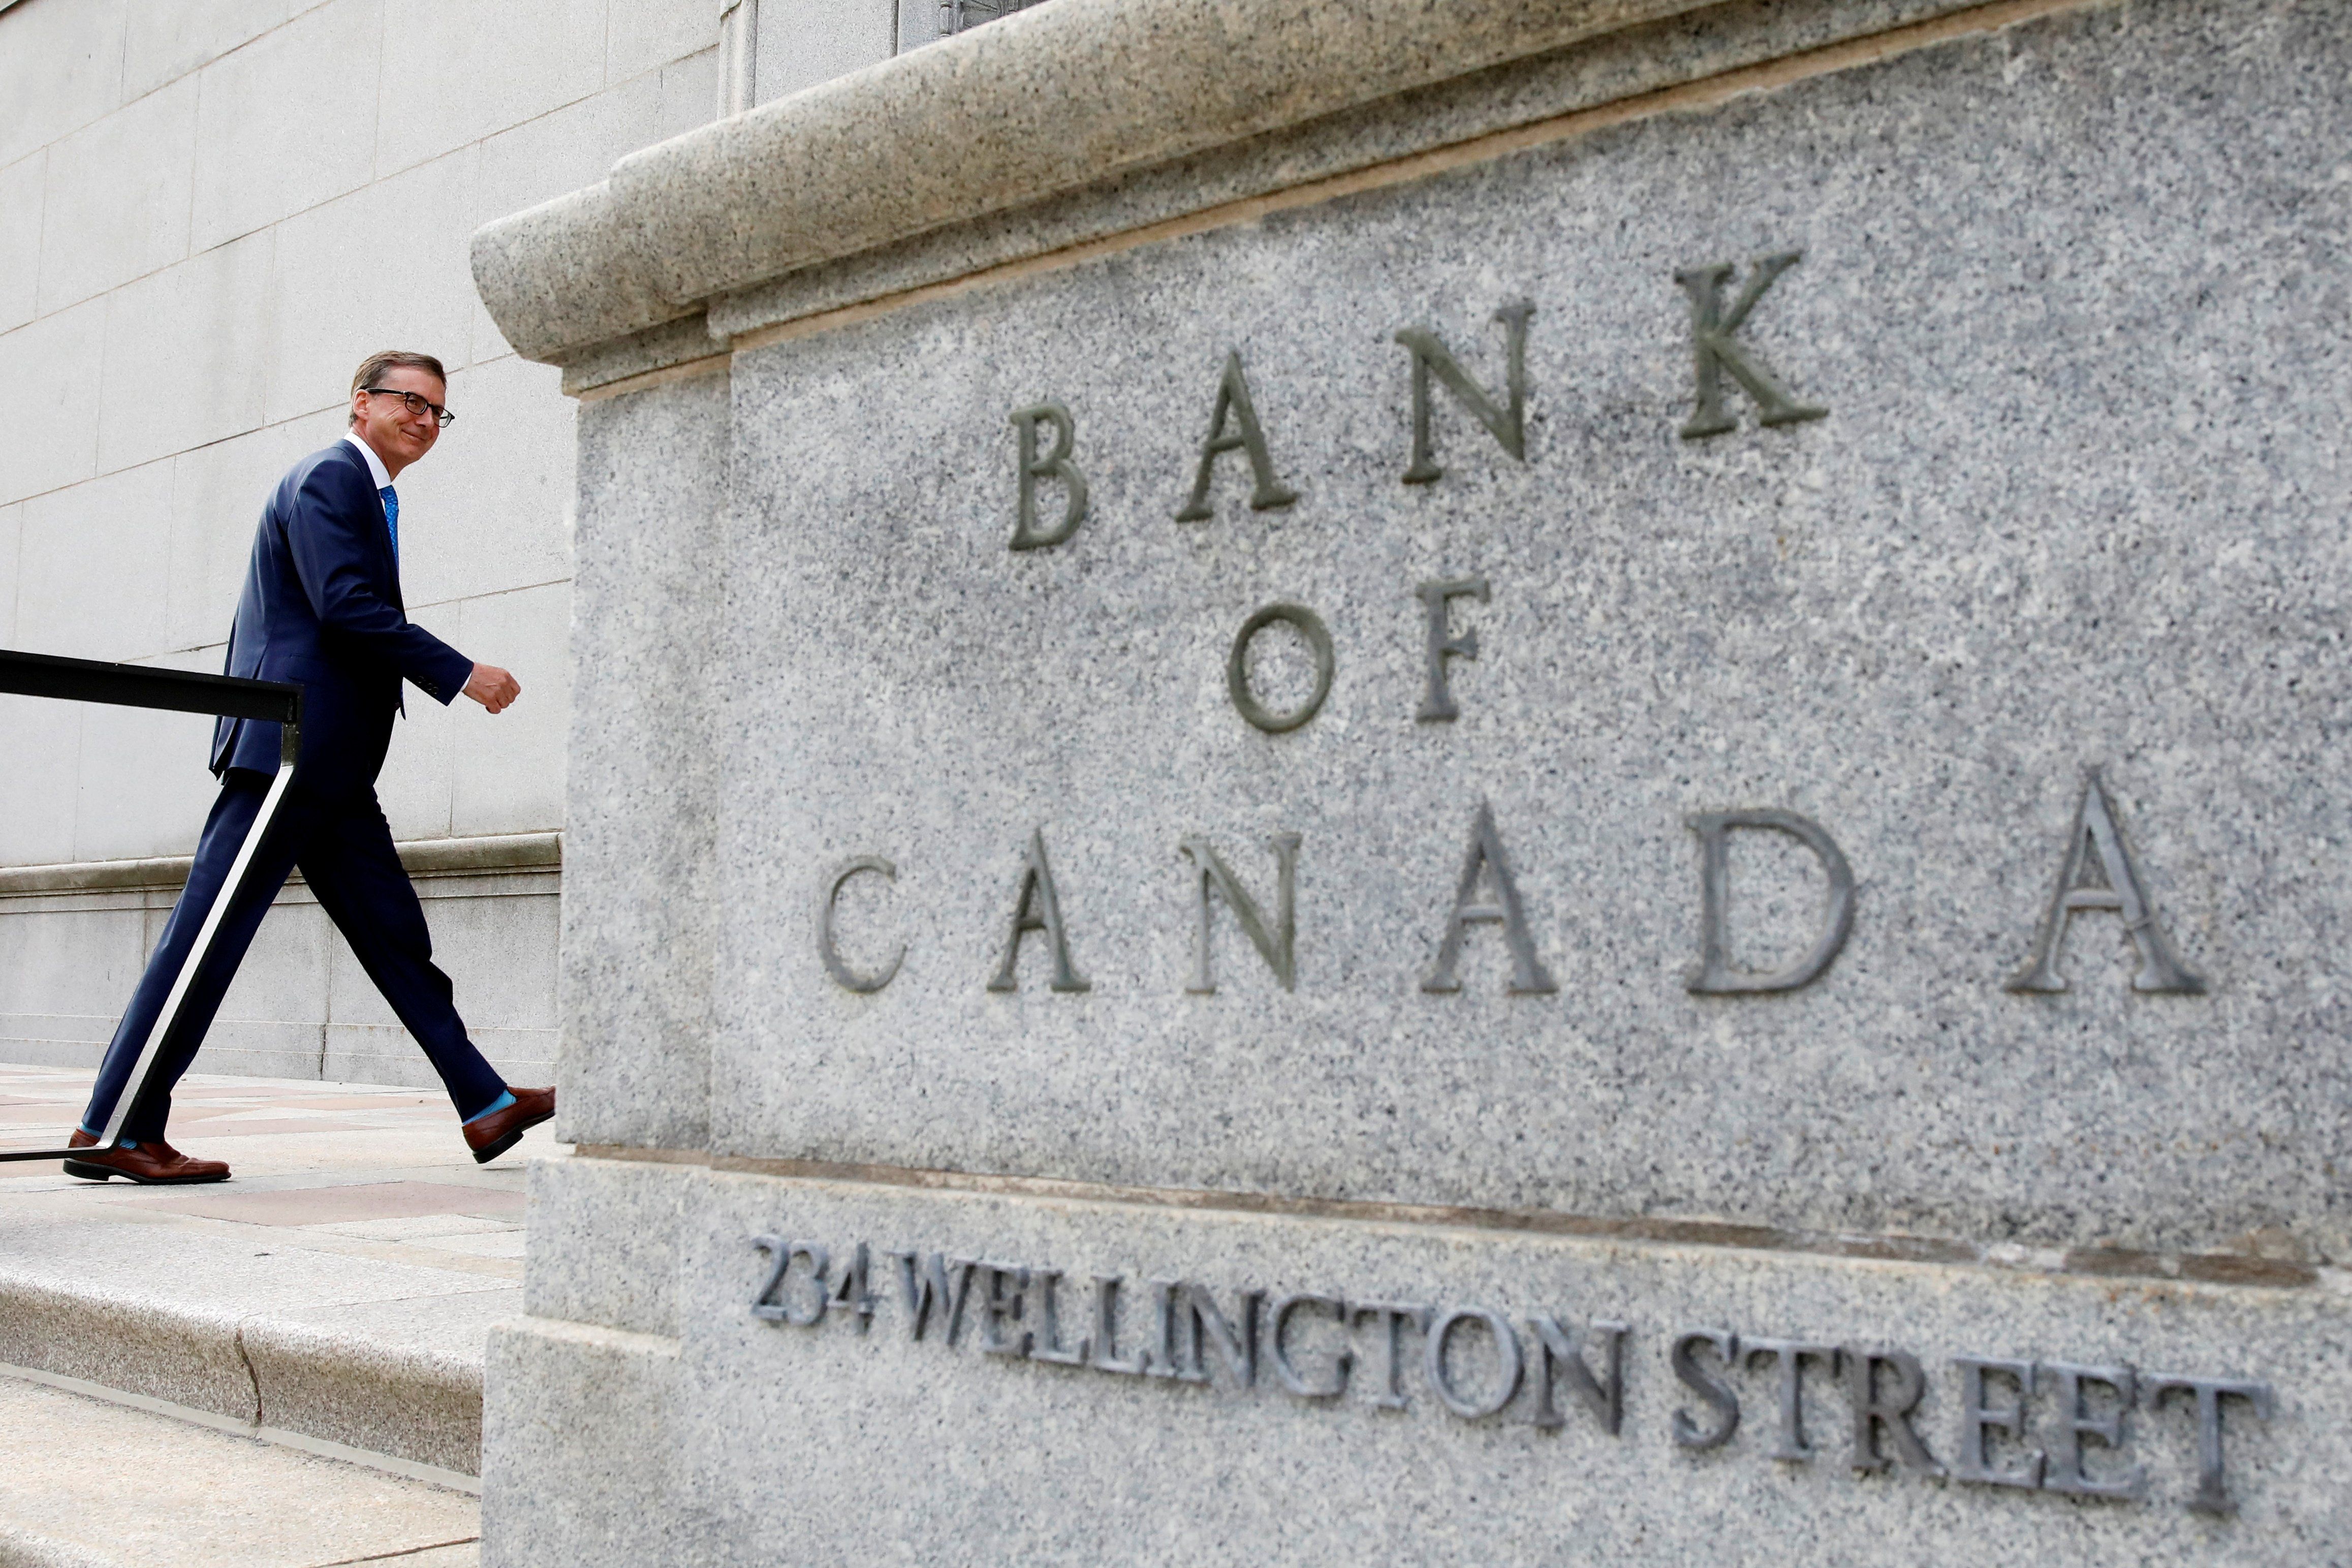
136 686
176 692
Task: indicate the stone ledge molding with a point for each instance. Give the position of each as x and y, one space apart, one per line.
2271 1260
1045 101
593 1336
422 857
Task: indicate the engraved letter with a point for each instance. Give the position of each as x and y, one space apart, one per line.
999 1307
926 1291
1555 1349
1509 1367
1285 1372
1236 1344
1276 946
1392 1317
1789 1442
1486 859
2098 874
1714 349
843 975
1714 975
765 1306
1713 1390
1438 703
1508 425
1167 1358
1054 464
1105 1334
820 1264
1038 909
1877 1410
1048 1343
852 1294
1233 399
2212 1497
1977 1417
1318 643
2075 1422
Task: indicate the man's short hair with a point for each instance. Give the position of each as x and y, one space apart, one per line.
372 369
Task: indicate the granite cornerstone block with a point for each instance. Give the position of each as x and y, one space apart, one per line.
1608 837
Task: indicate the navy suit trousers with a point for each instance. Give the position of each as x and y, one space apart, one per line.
345 849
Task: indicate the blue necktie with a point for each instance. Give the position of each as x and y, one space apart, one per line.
392 519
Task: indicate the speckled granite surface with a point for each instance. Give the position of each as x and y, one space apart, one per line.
2076 502
2027 462
854 1436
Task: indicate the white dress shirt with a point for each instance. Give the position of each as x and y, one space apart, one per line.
381 475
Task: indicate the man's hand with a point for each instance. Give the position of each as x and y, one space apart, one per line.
492 688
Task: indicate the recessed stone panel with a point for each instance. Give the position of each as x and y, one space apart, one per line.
1892 454
1303 1444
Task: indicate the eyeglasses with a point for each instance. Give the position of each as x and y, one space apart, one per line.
417 406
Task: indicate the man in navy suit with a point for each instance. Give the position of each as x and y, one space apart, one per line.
321 607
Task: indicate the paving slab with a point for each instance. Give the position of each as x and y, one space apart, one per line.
91 1484
340 1286
337 1205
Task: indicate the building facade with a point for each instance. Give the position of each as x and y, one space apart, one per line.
209 212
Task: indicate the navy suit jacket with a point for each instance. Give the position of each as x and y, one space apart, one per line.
321 607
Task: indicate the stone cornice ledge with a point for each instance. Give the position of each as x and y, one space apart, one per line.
1045 101
483 854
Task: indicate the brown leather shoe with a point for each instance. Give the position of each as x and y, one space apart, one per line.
493 1135
153 1163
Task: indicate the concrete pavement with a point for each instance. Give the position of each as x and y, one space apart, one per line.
322 1314
88 1483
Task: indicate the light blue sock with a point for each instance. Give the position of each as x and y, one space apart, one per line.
505 1099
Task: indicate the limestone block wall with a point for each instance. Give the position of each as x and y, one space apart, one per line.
208 214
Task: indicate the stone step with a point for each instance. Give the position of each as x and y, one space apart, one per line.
399 1374
338 1291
